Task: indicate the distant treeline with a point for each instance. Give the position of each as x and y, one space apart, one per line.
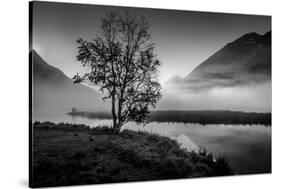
200 117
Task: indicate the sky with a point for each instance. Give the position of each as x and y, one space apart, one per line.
183 39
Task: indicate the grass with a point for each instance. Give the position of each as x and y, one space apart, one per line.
66 154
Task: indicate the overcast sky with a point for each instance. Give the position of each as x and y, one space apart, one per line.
183 39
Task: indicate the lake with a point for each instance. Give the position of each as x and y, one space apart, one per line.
247 148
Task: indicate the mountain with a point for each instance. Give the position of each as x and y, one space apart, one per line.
237 77
175 79
53 89
247 60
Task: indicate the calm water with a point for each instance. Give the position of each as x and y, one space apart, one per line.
247 148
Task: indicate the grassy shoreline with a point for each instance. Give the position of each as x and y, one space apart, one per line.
66 154
196 117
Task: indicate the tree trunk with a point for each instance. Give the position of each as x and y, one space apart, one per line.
119 124
114 118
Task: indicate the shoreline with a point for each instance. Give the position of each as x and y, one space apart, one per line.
193 117
77 154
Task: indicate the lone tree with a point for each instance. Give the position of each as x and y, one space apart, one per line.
123 65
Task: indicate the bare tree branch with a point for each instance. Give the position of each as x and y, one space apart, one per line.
123 65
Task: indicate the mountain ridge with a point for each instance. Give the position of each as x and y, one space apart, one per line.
53 89
244 60
42 70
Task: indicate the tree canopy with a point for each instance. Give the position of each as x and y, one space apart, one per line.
123 65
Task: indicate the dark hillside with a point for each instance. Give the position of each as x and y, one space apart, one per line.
65 154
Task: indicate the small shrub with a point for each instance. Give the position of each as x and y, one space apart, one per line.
222 167
202 169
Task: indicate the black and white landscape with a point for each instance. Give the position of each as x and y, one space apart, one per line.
131 94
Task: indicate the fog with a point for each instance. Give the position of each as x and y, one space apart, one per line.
252 97
46 96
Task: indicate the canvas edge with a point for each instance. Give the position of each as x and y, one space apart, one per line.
30 131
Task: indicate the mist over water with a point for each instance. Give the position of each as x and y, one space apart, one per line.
249 98
247 148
